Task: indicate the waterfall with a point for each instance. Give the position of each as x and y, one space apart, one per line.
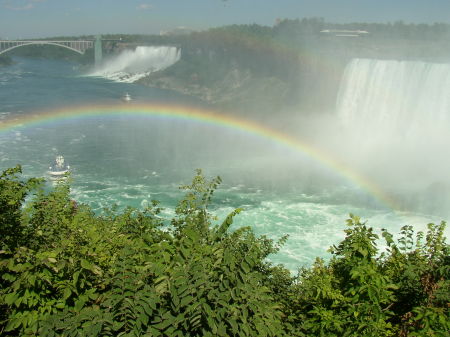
384 98
131 65
394 121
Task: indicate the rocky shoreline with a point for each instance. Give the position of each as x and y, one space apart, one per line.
238 90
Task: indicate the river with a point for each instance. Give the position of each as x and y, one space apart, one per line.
131 159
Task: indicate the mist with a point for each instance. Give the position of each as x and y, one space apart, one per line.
128 65
390 124
383 114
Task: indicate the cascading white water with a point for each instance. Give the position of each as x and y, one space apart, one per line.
406 98
131 65
396 120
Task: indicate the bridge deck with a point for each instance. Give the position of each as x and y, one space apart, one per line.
79 46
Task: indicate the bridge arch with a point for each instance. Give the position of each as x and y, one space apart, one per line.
79 47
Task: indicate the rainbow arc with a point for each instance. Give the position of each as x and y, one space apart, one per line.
202 116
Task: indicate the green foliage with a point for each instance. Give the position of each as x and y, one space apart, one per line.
12 196
76 273
66 271
421 272
349 296
402 292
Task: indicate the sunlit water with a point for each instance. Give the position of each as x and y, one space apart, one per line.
129 161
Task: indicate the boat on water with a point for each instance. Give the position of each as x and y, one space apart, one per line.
59 169
126 97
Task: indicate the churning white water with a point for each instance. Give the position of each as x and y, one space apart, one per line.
131 65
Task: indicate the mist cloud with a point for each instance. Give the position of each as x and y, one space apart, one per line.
145 6
20 5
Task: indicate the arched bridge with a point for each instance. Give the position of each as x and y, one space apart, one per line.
79 46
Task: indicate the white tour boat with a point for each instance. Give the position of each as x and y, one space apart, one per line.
59 169
126 97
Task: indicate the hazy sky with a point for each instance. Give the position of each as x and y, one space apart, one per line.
45 18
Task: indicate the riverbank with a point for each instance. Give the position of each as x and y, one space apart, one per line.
238 90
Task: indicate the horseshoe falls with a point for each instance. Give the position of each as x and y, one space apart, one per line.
396 117
395 96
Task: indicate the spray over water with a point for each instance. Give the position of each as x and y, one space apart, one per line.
131 65
396 117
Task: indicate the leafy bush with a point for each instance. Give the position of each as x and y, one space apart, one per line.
67 271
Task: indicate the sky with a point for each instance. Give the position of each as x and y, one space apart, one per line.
21 19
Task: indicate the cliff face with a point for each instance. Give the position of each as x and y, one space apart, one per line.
266 69
238 89
216 92
225 79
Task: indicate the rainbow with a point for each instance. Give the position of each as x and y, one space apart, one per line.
198 115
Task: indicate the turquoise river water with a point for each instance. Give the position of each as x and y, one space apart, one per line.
132 160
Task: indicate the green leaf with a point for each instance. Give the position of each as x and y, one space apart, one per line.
67 293
11 298
79 304
86 264
245 267
186 300
8 277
